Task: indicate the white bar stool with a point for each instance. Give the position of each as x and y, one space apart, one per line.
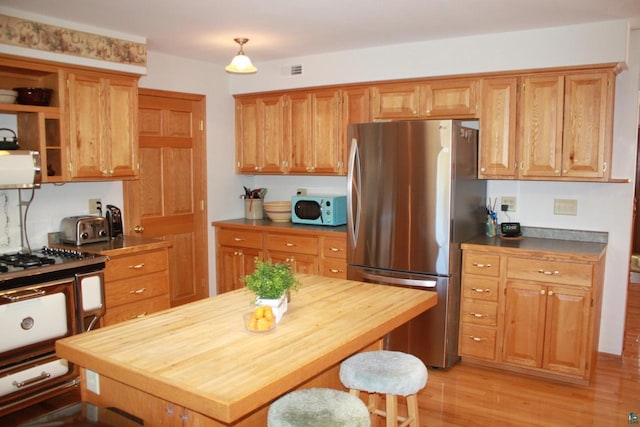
391 373
318 407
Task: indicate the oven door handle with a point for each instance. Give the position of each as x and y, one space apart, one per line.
29 293
43 376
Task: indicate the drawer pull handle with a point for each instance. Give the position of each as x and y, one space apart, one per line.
335 249
289 245
481 265
137 266
29 293
139 291
481 291
238 239
43 376
549 273
292 259
336 270
477 339
478 315
138 316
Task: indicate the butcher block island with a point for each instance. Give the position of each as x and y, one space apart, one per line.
197 364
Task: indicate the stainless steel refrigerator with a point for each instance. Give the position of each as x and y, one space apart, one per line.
413 196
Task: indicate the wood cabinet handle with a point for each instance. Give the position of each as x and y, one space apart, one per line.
549 273
238 239
335 249
478 315
138 316
542 292
481 291
481 265
237 253
137 266
292 259
139 291
550 293
138 229
477 339
290 245
336 270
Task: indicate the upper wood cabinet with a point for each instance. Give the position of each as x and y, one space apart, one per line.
449 98
103 142
299 132
563 130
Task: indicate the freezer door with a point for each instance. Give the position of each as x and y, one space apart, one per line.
433 335
399 195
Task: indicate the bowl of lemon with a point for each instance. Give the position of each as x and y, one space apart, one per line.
260 320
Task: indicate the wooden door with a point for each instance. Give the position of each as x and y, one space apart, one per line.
524 317
567 326
541 126
497 149
169 199
587 102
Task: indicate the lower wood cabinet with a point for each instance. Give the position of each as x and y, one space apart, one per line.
306 250
136 284
531 312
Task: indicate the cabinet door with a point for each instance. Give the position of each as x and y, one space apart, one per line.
541 126
86 123
247 149
396 101
355 109
121 149
300 263
525 306
232 265
449 98
326 132
497 142
586 138
271 134
567 326
299 128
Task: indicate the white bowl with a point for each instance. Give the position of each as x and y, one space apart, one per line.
278 211
8 96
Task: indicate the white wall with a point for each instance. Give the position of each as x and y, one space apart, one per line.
601 207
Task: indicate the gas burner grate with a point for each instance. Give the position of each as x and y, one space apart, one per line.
25 260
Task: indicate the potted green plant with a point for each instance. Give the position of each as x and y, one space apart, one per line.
271 283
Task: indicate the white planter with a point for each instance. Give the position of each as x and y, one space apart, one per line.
278 306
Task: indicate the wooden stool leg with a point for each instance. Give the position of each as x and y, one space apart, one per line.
392 410
412 408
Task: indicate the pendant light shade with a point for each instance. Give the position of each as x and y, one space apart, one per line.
241 64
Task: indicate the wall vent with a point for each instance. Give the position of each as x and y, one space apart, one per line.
296 70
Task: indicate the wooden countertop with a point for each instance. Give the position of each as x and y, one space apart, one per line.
536 246
201 356
120 246
268 225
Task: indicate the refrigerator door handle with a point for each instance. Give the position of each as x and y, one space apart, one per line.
353 186
400 281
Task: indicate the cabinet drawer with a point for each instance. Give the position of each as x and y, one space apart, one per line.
334 268
136 289
549 271
240 238
478 287
481 263
334 248
292 243
479 312
137 310
478 341
136 265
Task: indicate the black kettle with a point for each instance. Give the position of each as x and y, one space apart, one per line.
114 221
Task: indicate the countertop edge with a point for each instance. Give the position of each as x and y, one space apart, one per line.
284 227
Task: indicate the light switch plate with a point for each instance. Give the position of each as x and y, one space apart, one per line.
565 207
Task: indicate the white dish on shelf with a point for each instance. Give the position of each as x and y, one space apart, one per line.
8 96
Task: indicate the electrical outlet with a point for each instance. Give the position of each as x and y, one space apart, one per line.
95 206
565 207
510 201
92 381
301 192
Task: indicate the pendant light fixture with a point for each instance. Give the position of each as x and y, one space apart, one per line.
241 64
